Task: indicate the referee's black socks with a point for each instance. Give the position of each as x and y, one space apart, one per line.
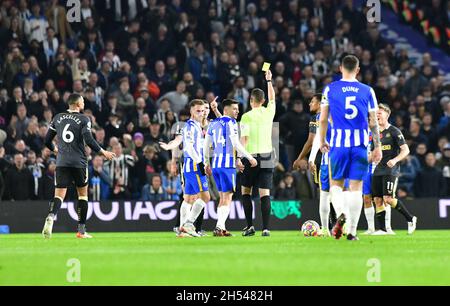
400 207
265 209
248 208
55 205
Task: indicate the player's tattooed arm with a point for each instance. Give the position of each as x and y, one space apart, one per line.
377 154
375 129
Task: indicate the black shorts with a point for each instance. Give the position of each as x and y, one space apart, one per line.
65 176
384 185
260 177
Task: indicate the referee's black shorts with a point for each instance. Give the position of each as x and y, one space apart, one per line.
65 176
260 176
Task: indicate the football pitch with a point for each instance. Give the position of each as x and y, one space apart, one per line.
285 258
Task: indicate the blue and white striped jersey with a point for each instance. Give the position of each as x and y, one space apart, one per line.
222 130
192 136
349 105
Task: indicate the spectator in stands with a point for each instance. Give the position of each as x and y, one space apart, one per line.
19 181
430 181
100 181
286 189
36 25
171 181
154 192
177 99
119 172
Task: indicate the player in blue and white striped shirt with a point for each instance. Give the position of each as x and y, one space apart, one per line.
223 137
350 106
196 193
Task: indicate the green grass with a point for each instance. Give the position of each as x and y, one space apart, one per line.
286 258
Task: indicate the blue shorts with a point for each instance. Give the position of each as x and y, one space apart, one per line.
349 163
194 183
325 179
225 179
367 183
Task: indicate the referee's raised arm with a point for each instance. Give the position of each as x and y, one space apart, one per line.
256 136
271 92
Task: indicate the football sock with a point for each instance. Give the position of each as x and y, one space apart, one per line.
199 222
388 210
265 210
337 198
370 217
324 209
82 209
177 223
381 218
222 215
398 205
184 212
346 207
196 210
248 208
355 204
55 205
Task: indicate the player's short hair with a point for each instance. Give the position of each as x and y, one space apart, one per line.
73 99
196 102
350 62
385 107
318 96
229 102
258 95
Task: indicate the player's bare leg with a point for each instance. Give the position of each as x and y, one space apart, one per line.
82 208
249 230
55 205
369 212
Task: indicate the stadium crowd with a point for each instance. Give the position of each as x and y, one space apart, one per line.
139 63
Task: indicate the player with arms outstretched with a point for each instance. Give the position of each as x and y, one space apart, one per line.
223 136
73 131
351 107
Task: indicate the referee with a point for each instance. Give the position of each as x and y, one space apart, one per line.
256 136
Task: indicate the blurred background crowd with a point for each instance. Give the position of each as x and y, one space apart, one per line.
139 62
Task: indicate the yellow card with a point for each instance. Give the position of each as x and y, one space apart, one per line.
265 67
